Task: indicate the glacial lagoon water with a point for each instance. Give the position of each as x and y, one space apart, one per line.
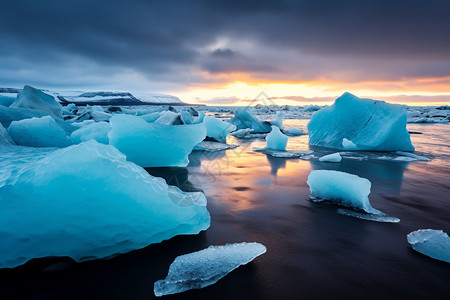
312 251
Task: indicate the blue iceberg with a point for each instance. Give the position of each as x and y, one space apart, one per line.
432 243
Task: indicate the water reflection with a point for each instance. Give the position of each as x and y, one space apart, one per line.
276 163
175 176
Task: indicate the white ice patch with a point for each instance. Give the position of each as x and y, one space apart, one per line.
432 243
97 131
334 157
203 268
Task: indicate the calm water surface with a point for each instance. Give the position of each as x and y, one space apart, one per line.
312 252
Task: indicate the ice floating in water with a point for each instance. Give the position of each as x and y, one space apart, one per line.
276 140
97 131
154 145
38 132
432 243
86 201
203 268
279 117
293 132
247 133
417 157
33 98
305 155
370 217
243 118
217 129
213 146
369 124
343 188
335 157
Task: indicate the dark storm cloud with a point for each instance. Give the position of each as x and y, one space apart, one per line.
167 41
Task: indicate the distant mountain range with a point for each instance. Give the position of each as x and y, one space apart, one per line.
103 97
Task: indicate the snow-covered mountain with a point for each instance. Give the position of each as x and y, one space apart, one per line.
103 97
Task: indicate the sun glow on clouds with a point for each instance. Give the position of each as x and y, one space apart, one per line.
412 92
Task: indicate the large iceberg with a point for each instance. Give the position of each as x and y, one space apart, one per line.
33 98
217 129
97 131
243 118
366 123
431 242
86 201
203 268
38 132
154 145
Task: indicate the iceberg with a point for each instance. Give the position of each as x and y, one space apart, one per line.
97 131
33 98
38 132
217 129
342 188
279 117
154 145
169 118
243 118
203 268
86 201
369 124
276 140
334 157
431 242
412 155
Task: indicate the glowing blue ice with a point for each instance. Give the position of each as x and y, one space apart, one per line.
97 131
432 243
33 98
217 129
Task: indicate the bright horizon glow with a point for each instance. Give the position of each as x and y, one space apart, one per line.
292 93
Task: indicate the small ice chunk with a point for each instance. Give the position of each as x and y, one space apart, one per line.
377 217
33 98
335 157
217 129
203 268
404 158
38 132
293 132
279 117
170 118
348 145
247 133
97 131
305 155
342 188
276 140
243 118
432 243
213 146
417 157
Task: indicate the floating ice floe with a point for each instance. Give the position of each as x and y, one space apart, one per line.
345 189
279 117
247 133
33 98
412 155
368 124
97 131
432 243
305 155
275 140
154 145
293 132
203 268
86 201
217 129
213 146
380 217
38 132
243 118
334 157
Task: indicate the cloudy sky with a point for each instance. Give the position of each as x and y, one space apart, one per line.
227 52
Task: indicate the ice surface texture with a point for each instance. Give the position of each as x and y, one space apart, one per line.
276 140
4 136
33 98
203 268
217 129
334 157
369 124
97 131
343 188
86 201
432 243
38 132
154 145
